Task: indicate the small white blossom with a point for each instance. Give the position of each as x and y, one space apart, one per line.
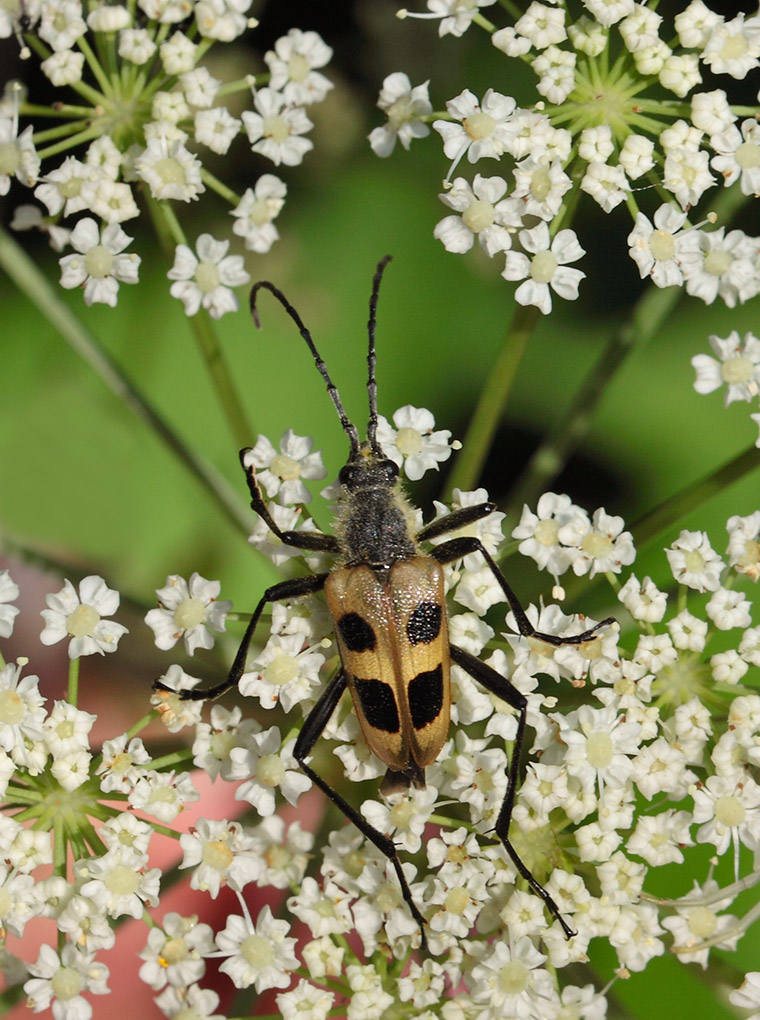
483 213
404 107
101 264
280 474
189 610
208 278
256 210
545 267
292 67
694 562
414 443
8 592
80 617
275 130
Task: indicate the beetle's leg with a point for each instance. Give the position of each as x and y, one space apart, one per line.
310 732
293 588
455 520
497 684
315 541
456 548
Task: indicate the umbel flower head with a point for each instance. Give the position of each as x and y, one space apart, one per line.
620 113
136 110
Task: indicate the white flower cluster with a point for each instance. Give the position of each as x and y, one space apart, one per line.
155 111
658 755
598 125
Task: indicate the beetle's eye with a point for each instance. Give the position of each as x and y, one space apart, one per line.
391 469
347 475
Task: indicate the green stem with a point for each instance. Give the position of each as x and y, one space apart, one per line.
31 282
88 135
169 230
73 693
694 495
570 430
493 400
645 322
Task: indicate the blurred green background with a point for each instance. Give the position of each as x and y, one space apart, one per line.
85 483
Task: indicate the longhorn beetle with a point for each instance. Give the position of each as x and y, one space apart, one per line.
387 601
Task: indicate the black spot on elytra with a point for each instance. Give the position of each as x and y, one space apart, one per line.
426 697
357 634
424 624
378 704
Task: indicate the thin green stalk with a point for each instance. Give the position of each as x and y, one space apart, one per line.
42 296
493 400
673 509
73 693
169 232
570 430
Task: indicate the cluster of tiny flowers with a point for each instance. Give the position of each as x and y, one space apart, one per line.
599 126
140 111
655 754
737 365
670 721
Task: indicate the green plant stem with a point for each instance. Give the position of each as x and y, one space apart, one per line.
645 322
694 495
493 400
29 279
170 232
570 430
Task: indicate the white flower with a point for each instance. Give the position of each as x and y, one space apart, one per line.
110 18
120 882
414 443
80 617
605 546
169 170
540 184
64 68
694 562
738 156
728 810
61 24
738 367
178 53
484 213
482 128
21 718
112 201
18 157
747 995
661 251
101 264
162 794
280 474
271 766
207 279
404 107
546 269
260 955
606 184
61 189
189 610
543 26
276 128
59 981
510 981
8 592
221 19
728 268
292 67
687 174
174 953
216 128
733 47
222 853
283 672
305 1002
256 210
136 45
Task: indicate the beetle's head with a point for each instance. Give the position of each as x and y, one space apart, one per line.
368 468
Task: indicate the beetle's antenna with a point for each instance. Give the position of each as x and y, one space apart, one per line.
332 389
371 357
